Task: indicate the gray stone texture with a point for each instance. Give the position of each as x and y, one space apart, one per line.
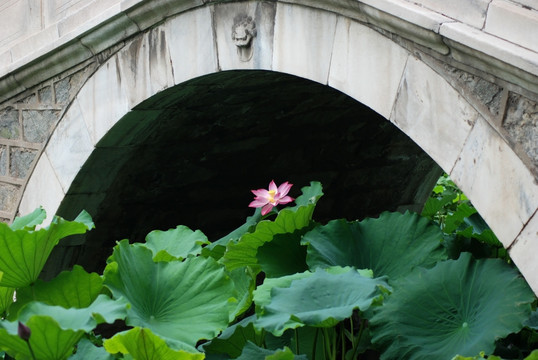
9 195
20 161
30 99
37 124
3 160
486 92
45 95
9 123
521 122
61 89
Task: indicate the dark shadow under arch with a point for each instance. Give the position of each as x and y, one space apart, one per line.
190 154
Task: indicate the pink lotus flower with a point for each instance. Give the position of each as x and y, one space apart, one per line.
267 199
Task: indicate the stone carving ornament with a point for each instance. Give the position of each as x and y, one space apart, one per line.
243 32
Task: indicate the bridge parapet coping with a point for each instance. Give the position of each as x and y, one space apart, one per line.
498 31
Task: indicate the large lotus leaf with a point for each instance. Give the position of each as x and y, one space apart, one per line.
244 284
321 300
243 253
175 243
142 344
70 289
54 329
30 221
186 301
48 340
103 309
532 321
6 299
284 255
457 307
262 294
391 245
254 352
24 252
232 340
88 351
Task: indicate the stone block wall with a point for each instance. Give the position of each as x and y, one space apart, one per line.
26 123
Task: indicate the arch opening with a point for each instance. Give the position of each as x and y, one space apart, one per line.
190 154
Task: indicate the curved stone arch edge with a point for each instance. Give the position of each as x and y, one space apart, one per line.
410 94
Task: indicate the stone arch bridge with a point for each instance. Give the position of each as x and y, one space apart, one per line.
155 113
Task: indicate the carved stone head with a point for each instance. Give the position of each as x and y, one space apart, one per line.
243 30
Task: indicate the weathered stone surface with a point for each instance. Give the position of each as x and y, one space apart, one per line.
37 124
514 23
70 144
487 93
521 122
45 95
472 12
61 89
145 66
506 202
103 100
9 123
313 38
377 73
524 251
43 189
192 45
432 113
21 159
9 195
3 160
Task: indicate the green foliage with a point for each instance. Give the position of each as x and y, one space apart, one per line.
279 287
142 344
25 250
392 245
320 299
183 301
453 308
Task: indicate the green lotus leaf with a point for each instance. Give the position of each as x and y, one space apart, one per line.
70 289
457 307
244 284
54 329
216 248
254 352
532 356
321 299
25 251
103 309
243 253
142 344
532 321
390 245
30 221
175 244
433 205
262 294
232 340
284 255
310 195
48 340
185 301
6 299
88 351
